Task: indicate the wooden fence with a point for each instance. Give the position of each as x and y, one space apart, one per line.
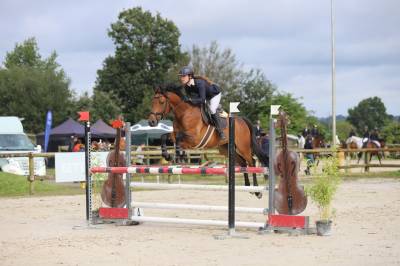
207 155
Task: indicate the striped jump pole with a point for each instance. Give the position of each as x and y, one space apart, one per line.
178 170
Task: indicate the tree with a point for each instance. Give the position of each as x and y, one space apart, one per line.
30 86
219 66
391 132
343 129
252 88
369 112
295 110
254 93
101 105
147 49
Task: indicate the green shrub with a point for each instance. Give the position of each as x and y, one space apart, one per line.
324 186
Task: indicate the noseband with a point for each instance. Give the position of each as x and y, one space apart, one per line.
166 103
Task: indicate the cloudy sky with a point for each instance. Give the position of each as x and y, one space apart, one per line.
288 39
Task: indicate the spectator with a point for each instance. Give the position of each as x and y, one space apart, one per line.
78 146
72 142
258 129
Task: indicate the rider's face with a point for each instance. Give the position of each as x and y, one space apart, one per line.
184 79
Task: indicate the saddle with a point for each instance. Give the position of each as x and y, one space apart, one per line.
206 115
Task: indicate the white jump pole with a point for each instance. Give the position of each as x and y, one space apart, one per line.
214 208
197 187
194 221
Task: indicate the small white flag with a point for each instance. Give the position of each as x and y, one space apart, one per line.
233 107
275 109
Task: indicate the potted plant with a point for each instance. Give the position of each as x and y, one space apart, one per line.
322 190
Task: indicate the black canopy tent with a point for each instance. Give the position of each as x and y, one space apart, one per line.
61 135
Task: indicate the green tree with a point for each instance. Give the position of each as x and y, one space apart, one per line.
101 105
343 129
369 112
252 88
147 50
255 95
30 86
295 110
391 132
219 66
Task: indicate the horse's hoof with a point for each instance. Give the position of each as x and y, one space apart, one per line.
258 194
167 157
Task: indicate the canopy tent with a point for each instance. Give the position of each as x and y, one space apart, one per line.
66 129
143 133
100 129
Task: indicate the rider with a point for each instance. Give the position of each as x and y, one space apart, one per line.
309 156
366 136
314 131
202 89
305 132
375 137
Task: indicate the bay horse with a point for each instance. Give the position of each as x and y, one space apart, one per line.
355 142
317 142
191 132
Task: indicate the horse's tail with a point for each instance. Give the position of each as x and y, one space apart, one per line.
256 149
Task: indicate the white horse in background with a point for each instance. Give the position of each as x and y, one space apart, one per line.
354 142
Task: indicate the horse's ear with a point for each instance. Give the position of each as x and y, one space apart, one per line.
160 89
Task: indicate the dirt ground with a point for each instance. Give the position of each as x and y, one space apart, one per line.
53 231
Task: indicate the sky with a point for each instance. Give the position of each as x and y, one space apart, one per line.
289 40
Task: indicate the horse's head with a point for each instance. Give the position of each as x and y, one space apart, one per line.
160 107
318 142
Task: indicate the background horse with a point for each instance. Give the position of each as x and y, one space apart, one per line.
191 132
317 142
354 142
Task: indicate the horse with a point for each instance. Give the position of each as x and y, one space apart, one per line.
317 142
190 131
355 142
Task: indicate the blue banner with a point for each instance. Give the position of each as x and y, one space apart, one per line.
49 118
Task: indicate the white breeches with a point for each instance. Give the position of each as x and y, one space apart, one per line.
214 103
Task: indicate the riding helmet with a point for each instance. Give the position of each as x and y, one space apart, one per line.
186 70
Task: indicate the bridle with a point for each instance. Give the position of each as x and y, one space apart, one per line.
166 103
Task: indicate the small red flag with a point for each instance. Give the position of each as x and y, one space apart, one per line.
117 124
83 116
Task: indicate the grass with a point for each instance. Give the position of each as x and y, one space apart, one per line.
15 186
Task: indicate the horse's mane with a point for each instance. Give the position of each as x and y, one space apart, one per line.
177 89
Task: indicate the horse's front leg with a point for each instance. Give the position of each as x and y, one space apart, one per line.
164 151
179 152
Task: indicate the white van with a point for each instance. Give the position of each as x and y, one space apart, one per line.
14 140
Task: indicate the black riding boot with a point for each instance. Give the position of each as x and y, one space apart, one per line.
218 126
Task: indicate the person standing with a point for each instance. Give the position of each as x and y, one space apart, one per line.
258 129
309 156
